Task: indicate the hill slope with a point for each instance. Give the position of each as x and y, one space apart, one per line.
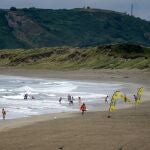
76 27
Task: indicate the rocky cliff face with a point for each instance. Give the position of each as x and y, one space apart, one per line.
23 27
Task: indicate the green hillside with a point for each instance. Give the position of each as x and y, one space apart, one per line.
31 28
62 58
7 39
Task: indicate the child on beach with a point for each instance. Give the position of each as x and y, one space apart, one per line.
83 108
3 113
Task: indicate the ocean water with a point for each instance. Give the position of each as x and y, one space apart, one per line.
46 93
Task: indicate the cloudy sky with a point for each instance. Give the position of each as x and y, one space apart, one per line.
141 7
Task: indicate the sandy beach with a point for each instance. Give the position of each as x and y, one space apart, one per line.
127 129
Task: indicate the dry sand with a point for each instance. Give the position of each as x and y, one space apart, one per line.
127 129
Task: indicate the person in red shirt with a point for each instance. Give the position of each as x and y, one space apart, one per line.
83 108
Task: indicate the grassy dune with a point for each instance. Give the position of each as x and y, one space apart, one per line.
68 58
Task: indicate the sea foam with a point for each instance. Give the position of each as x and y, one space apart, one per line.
43 95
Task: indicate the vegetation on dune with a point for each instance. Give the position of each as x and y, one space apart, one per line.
69 58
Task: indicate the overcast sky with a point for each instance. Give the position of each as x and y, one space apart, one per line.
141 7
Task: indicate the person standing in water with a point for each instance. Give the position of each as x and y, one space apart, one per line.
60 99
69 99
26 96
72 99
106 99
79 100
32 97
83 108
3 113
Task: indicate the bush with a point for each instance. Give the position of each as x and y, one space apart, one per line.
13 9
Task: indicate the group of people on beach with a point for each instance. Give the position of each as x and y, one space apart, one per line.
71 102
83 106
70 99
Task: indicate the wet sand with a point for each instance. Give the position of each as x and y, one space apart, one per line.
127 129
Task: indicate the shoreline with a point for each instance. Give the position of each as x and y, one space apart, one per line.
127 129
88 75
10 124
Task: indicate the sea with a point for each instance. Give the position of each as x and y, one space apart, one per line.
43 95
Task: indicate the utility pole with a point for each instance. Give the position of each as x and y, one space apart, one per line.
84 1
132 7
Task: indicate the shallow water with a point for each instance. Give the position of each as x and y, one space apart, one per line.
46 94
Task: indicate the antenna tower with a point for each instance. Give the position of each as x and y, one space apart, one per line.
132 7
